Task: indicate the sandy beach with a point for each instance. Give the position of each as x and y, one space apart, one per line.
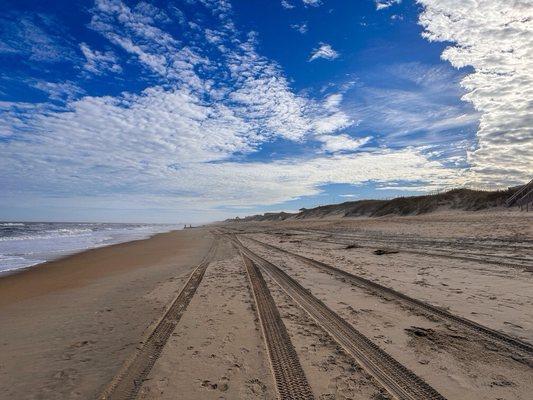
115 320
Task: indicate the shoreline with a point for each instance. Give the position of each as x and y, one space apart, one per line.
15 271
59 254
64 263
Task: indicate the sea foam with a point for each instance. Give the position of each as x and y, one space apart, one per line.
23 244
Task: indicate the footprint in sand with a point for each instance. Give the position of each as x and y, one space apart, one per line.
256 388
512 325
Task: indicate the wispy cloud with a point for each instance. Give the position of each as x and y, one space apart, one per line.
307 3
34 37
99 62
383 4
61 91
341 143
302 28
312 3
324 51
287 5
136 32
333 101
423 109
148 174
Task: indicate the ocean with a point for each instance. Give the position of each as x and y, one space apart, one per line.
23 244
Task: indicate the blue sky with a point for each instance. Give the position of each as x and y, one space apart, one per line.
196 110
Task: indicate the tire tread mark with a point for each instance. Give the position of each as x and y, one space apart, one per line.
488 333
399 381
493 259
291 382
127 383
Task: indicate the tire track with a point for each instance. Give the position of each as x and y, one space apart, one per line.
291 382
395 378
477 244
126 384
492 335
438 251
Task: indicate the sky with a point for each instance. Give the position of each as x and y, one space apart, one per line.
198 110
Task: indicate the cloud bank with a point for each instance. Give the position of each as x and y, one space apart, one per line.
495 39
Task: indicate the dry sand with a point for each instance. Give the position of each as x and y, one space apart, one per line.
452 361
69 325
217 350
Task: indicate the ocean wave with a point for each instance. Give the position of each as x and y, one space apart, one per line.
50 235
72 231
28 244
12 263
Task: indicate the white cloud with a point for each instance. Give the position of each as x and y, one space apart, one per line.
257 89
313 3
59 90
285 4
332 122
382 4
333 101
324 51
11 123
36 37
168 149
289 5
338 143
263 95
99 62
283 180
136 33
213 37
148 176
425 109
302 28
495 38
